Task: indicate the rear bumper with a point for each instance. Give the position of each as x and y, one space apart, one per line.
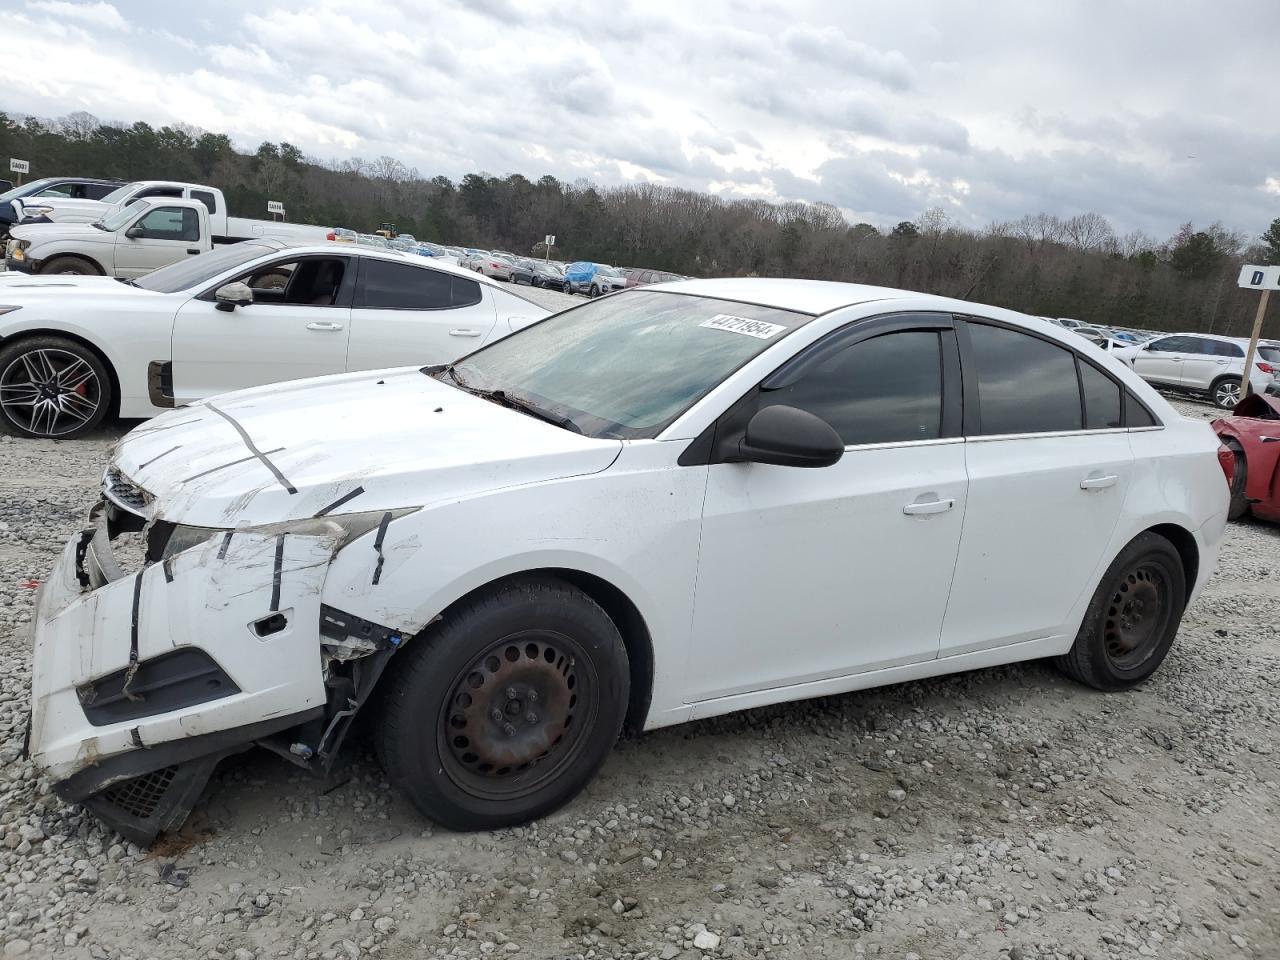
105 711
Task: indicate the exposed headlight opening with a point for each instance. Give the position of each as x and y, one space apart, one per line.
346 526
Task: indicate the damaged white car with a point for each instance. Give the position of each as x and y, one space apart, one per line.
662 505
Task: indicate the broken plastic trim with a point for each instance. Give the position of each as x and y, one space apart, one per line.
172 681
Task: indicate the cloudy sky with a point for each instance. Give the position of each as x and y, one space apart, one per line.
1151 112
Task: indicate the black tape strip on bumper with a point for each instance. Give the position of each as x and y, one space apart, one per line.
253 448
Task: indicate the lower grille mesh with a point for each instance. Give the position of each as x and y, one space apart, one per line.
141 796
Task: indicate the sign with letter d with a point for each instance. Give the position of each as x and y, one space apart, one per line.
1259 278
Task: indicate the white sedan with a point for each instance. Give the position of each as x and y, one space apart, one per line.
73 349
666 504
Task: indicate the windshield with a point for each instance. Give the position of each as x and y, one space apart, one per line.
27 189
186 274
114 221
608 271
628 365
118 194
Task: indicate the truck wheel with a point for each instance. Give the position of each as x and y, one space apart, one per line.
52 388
507 709
73 265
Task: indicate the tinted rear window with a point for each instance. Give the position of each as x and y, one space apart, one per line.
1025 384
400 286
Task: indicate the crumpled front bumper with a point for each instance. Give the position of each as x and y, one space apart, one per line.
123 714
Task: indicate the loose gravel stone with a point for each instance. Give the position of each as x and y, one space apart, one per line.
1001 814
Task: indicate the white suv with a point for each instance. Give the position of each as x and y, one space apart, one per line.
1203 364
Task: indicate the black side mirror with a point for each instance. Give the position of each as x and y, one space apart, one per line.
135 233
790 437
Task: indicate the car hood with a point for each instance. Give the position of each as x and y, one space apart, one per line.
288 451
65 208
79 232
25 288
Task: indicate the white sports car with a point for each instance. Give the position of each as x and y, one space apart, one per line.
75 348
665 504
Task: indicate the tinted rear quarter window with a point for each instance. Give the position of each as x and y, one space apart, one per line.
883 390
1101 398
207 198
1025 384
400 286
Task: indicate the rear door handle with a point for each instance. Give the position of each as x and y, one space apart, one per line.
191 250
460 332
324 326
1098 483
927 507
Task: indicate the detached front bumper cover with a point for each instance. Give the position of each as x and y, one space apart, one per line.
143 681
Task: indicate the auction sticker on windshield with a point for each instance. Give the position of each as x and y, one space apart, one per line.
751 328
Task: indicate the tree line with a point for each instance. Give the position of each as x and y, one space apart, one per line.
1076 266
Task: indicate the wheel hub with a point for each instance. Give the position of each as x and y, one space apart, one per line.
1134 616
511 709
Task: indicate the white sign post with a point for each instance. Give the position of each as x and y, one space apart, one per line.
550 242
19 167
275 207
1265 279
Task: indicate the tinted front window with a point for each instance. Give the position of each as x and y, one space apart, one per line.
96 191
171 223
1101 398
399 286
1172 345
1025 384
882 390
627 366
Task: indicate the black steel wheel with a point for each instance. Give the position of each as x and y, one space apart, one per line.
507 708
1133 617
52 388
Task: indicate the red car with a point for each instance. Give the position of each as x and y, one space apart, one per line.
1252 433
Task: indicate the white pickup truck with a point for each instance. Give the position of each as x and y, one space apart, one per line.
129 241
225 229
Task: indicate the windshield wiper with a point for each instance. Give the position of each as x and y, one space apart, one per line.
505 399
132 283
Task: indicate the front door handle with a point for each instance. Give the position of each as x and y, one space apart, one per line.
924 508
192 250
324 326
1098 483
462 332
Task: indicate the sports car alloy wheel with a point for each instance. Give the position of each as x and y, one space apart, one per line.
50 392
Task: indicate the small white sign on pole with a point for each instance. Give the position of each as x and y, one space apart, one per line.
275 206
1259 278
551 240
1264 279
19 166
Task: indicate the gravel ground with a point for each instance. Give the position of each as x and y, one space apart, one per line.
1006 813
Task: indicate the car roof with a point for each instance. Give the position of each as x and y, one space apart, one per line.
802 296
379 253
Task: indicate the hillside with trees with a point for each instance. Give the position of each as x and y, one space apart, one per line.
1074 266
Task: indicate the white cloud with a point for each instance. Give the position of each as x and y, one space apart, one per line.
97 14
883 109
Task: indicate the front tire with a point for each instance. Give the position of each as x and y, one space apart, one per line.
1132 619
507 708
1239 478
71 265
1225 393
52 388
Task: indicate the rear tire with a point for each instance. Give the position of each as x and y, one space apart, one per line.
1239 478
1225 393
1132 619
507 708
71 265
